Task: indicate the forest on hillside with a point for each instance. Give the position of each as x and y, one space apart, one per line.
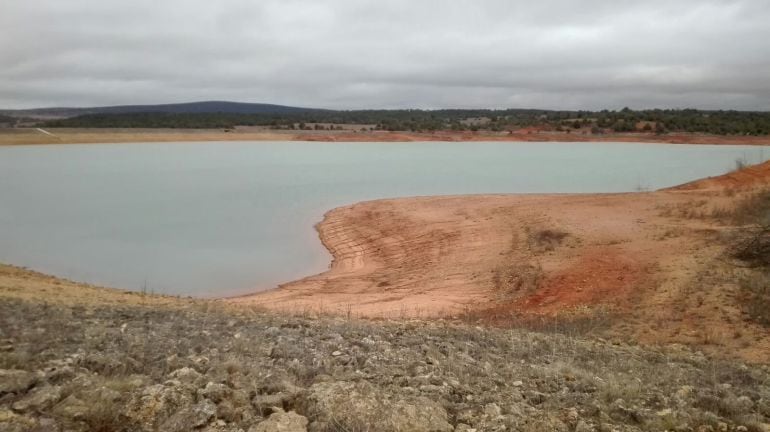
625 120
6 121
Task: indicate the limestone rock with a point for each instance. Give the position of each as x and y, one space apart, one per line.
215 391
186 375
360 404
190 417
157 403
39 399
281 421
16 381
12 422
72 407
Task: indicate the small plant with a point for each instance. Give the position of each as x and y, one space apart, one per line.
752 210
546 240
755 295
740 163
104 416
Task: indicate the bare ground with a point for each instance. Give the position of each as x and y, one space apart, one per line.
653 262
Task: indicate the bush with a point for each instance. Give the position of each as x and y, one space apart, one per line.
755 295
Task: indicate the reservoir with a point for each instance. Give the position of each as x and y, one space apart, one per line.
221 219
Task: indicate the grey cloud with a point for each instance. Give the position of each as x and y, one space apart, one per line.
588 54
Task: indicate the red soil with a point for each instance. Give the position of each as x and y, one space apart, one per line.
639 255
531 135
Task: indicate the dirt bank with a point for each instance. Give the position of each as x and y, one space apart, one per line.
87 136
640 257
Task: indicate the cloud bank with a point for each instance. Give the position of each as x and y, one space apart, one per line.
350 54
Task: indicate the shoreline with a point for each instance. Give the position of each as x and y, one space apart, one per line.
52 136
638 257
633 264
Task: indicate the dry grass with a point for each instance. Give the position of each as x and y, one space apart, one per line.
546 240
263 359
749 244
517 279
755 294
754 209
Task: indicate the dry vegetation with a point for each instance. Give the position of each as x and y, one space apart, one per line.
750 245
200 365
546 240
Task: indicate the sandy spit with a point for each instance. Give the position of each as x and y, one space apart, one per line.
644 257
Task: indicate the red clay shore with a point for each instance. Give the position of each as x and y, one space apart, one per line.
643 258
86 136
535 136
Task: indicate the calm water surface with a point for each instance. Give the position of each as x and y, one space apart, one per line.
217 219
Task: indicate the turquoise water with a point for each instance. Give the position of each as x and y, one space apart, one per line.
217 219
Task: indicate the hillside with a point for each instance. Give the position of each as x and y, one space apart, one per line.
220 114
222 107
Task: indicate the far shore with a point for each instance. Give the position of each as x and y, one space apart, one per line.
33 136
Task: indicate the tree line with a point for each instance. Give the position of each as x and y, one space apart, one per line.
605 121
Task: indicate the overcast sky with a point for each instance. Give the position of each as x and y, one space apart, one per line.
572 54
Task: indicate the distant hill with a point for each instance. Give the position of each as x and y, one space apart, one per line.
6 121
180 108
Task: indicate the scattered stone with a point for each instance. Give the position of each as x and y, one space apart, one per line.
46 425
572 416
492 410
12 422
190 417
39 399
535 398
744 404
264 403
281 421
186 375
156 403
215 391
56 375
583 427
16 381
72 408
200 363
103 364
354 405
351 375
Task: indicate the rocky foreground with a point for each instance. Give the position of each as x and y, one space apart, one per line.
144 365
